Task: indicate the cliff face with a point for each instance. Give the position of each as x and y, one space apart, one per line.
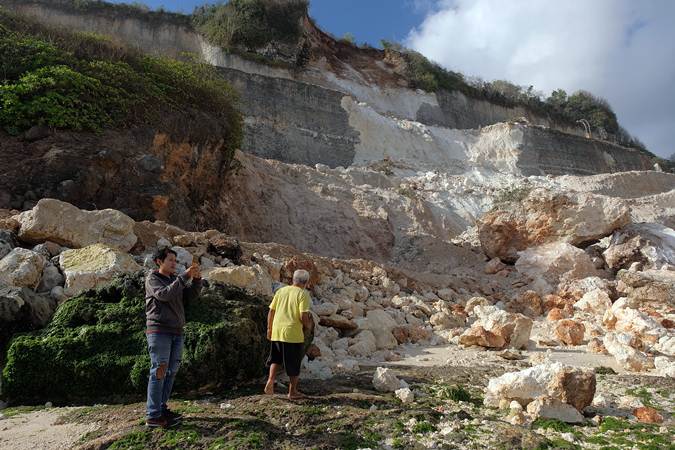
315 115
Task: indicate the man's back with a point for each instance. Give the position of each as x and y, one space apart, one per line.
288 304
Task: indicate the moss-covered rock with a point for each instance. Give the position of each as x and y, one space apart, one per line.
95 349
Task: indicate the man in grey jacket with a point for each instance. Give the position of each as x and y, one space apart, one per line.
165 297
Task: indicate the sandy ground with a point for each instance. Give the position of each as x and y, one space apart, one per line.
41 430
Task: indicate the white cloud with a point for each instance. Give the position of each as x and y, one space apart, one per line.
619 49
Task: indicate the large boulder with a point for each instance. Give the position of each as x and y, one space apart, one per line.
651 244
381 324
622 318
657 286
21 309
544 217
94 349
573 386
569 332
514 329
65 224
619 346
96 264
252 278
22 268
385 380
595 302
554 262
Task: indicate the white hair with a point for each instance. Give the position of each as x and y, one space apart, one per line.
300 276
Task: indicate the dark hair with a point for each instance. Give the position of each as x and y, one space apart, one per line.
162 253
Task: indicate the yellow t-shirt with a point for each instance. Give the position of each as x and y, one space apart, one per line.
288 304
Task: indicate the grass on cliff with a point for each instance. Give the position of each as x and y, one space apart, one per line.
87 82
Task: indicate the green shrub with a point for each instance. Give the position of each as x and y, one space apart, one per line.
95 348
251 24
83 81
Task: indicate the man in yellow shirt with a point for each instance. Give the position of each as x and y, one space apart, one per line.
287 320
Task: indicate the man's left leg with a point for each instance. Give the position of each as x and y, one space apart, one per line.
174 365
293 355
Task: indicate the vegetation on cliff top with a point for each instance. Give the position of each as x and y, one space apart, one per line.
95 349
83 81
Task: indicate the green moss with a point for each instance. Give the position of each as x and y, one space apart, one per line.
602 370
423 427
137 440
95 347
644 395
181 438
552 424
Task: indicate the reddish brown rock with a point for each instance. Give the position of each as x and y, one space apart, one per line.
297 263
570 332
645 414
478 335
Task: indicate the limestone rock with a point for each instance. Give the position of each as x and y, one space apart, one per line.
252 278
7 242
664 366
325 309
477 335
656 286
381 324
443 321
405 395
554 262
513 328
552 408
645 414
595 302
544 217
22 268
300 262
649 244
364 344
493 266
570 332
384 380
21 309
337 322
95 264
572 386
68 225
51 277
618 345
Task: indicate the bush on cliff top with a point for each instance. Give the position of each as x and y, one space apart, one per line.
95 349
82 81
251 24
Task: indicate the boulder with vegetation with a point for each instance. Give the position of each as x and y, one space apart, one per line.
94 349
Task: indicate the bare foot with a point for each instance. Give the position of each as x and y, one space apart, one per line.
269 388
296 396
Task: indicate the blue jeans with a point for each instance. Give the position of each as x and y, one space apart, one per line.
165 355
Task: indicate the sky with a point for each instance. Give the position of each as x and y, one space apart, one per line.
622 50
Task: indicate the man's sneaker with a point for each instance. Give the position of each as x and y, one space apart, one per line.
160 422
172 416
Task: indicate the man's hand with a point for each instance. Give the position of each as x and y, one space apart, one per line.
194 272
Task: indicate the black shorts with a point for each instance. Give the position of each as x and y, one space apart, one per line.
288 355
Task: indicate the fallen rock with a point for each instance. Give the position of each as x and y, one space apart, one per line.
552 408
657 286
22 268
595 345
443 321
405 395
51 277
338 322
381 324
225 247
21 309
65 224
664 366
595 302
645 414
570 332
513 328
384 380
575 387
477 335
364 344
527 303
493 266
325 309
7 242
650 244
618 345
544 217
554 262
252 278
95 264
